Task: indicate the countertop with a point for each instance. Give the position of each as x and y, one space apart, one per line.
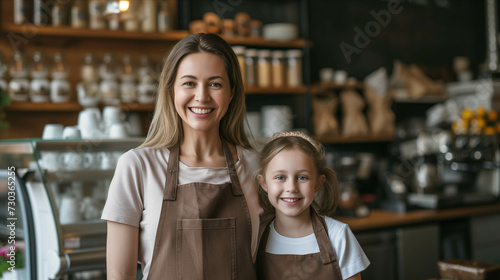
379 219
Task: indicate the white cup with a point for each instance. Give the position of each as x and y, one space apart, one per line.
118 131
89 124
71 132
52 131
276 119
134 124
77 161
51 160
107 160
69 210
253 129
326 75
340 76
111 115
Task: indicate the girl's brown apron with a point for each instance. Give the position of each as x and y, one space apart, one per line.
322 265
204 230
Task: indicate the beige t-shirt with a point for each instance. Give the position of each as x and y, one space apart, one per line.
136 192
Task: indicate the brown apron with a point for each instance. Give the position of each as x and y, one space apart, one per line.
322 265
204 230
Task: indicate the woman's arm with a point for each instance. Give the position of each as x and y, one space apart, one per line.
355 277
122 251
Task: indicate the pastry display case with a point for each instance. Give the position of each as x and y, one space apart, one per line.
54 192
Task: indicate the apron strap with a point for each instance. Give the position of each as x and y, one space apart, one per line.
320 231
231 169
172 174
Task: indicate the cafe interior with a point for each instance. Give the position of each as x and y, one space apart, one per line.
403 94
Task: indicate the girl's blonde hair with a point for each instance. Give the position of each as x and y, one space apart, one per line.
327 198
166 126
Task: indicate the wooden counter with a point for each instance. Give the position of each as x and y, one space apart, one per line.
379 219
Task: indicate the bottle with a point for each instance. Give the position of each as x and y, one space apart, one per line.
88 89
131 17
264 68
251 67
59 14
147 82
79 15
165 20
96 14
60 89
40 85
127 75
149 15
19 85
278 66
21 11
108 87
42 11
294 68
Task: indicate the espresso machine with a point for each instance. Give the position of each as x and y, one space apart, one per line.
442 169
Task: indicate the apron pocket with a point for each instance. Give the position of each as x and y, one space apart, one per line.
206 248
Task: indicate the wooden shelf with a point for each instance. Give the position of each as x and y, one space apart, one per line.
69 32
356 139
44 107
321 88
261 42
70 107
171 36
271 90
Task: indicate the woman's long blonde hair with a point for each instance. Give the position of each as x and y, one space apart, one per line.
166 125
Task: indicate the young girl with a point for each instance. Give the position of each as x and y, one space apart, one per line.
301 243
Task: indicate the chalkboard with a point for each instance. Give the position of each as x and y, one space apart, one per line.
424 32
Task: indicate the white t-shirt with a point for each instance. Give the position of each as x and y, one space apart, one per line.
136 192
350 255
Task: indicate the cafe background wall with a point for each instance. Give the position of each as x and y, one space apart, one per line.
425 32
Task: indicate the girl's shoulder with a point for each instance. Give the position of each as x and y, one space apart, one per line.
336 227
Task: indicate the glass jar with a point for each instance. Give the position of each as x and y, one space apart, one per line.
41 12
294 68
110 92
108 69
79 14
278 66
149 15
88 93
240 54
21 11
88 71
130 17
19 85
264 68
59 14
60 89
165 19
128 91
96 14
40 85
251 67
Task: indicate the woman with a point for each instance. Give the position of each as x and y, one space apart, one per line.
184 204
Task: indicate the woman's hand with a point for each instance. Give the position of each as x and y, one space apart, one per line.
121 251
